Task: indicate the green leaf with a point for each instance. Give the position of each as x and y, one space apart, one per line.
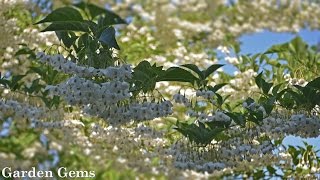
249 101
145 76
211 70
198 134
237 117
276 88
62 15
315 83
298 46
68 26
219 99
67 37
287 100
5 82
258 174
178 74
269 104
218 124
195 69
274 62
50 103
17 78
216 87
108 37
277 48
110 17
255 116
24 51
35 86
262 84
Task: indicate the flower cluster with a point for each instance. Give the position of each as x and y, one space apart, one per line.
18 110
136 111
62 124
103 100
181 99
248 147
206 94
228 154
297 125
109 100
58 62
80 91
294 81
217 116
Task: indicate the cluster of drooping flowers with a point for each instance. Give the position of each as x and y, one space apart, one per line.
239 148
19 110
80 91
110 100
298 124
135 111
181 99
101 100
227 154
62 124
295 81
207 94
58 62
146 143
246 148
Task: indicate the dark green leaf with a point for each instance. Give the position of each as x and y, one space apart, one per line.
110 17
108 37
67 37
262 84
249 101
269 104
68 26
198 134
219 99
24 51
211 70
4 82
178 74
315 83
50 103
238 118
62 15
216 87
145 76
275 89
195 69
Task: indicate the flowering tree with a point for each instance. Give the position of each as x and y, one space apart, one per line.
88 93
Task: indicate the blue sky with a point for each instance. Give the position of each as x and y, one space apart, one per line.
261 41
